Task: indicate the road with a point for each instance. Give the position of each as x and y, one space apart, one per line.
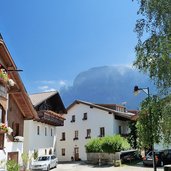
85 167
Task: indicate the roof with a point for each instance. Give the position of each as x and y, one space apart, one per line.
18 92
38 98
127 115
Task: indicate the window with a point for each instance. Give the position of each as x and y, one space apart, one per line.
76 135
63 151
1 141
16 128
63 136
88 134
45 131
120 130
51 132
2 115
102 132
50 152
85 116
73 118
38 130
2 120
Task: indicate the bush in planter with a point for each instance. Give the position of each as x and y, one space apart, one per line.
109 144
12 165
94 146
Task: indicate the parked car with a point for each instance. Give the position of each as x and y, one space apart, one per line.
45 162
166 156
148 159
130 156
163 157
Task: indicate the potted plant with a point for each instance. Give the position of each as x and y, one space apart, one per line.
4 129
4 77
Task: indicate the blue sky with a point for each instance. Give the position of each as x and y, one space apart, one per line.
53 41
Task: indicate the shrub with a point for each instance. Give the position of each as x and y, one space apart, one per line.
35 154
109 144
12 165
25 159
94 145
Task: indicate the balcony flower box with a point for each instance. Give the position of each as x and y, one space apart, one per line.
4 129
5 80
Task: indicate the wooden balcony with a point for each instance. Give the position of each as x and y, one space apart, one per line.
50 117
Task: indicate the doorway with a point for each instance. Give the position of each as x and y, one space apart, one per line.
76 153
13 156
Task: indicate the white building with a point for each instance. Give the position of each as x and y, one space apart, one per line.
86 120
40 133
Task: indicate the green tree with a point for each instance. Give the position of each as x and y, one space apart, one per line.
153 57
153 50
132 138
149 122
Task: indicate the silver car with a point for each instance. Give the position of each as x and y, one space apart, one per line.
45 162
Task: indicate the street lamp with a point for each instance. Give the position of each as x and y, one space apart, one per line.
146 91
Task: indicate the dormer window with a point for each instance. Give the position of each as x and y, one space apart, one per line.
73 118
85 116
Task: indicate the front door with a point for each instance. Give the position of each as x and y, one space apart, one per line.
13 156
76 153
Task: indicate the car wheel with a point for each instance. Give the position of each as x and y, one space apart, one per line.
56 165
161 163
48 168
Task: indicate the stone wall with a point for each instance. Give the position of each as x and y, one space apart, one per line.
103 158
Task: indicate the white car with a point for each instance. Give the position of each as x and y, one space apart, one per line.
45 162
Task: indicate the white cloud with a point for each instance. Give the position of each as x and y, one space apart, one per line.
46 82
50 85
51 89
62 83
43 87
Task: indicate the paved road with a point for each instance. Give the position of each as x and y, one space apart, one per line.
84 167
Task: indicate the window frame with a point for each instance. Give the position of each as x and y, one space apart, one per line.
63 136
73 118
45 131
76 133
102 131
63 152
85 116
88 133
38 130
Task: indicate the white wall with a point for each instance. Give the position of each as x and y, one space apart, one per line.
96 118
40 142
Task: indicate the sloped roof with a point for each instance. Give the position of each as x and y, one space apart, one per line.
19 92
38 98
127 115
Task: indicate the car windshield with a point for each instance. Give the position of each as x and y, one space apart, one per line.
43 158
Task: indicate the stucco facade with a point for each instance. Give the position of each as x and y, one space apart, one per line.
97 119
42 140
